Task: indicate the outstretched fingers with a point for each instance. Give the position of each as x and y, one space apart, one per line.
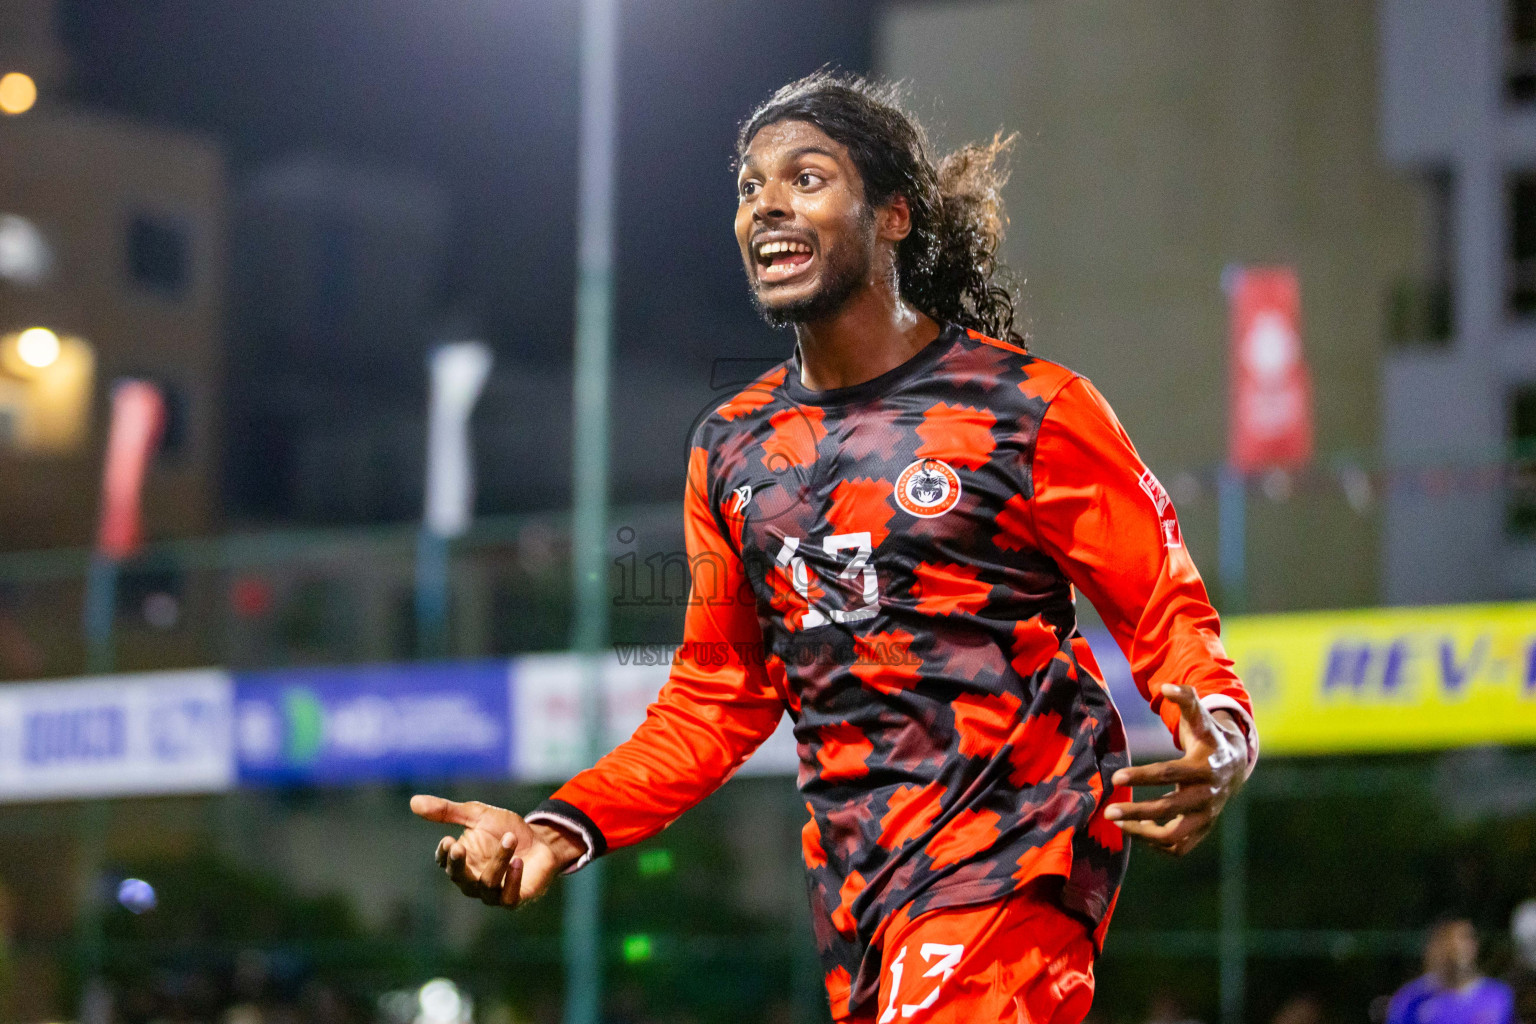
448 812
1184 771
1185 800
1177 821
1177 837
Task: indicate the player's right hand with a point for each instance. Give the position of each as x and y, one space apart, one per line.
499 859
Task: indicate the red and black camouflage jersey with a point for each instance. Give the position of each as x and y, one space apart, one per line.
893 564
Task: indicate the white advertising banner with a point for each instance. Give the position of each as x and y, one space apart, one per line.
155 733
546 716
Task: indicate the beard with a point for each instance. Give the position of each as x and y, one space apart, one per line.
844 272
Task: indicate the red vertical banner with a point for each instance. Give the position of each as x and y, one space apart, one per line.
1270 425
138 420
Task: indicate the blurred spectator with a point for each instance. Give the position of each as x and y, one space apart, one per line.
1299 1009
96 1003
1522 929
1167 1008
1450 991
247 988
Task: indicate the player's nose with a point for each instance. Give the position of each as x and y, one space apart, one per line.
771 203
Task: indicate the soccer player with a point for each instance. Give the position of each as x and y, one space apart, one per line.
886 534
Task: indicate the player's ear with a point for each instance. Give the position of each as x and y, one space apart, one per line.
894 219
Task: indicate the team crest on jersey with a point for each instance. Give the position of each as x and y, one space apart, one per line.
928 488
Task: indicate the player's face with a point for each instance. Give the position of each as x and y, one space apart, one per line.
1461 943
807 236
1452 949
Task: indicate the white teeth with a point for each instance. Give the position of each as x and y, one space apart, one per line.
774 248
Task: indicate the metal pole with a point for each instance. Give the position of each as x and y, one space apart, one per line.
589 520
1232 538
1234 886
1232 568
94 822
100 609
431 595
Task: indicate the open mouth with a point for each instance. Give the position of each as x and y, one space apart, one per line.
783 259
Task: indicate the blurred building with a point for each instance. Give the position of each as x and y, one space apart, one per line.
111 266
1160 143
111 239
1458 97
338 289
339 294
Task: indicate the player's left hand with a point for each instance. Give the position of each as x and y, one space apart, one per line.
500 859
1209 774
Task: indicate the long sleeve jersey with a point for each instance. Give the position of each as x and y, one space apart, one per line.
893 564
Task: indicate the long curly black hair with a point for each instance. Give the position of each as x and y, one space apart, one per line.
947 266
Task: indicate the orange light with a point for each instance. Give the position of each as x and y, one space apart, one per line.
17 93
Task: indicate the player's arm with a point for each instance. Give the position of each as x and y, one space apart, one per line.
1110 526
717 707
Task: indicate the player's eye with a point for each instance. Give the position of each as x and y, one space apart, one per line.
748 189
806 179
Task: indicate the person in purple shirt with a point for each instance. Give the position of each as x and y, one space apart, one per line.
1450 991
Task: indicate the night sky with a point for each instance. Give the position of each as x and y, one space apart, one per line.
480 98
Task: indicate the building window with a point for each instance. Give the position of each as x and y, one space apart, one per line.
158 257
1521 270
173 440
1520 512
1520 52
174 436
1419 306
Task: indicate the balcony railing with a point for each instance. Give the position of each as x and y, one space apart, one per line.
334 596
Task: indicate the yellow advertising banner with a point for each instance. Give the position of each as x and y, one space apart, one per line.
1389 679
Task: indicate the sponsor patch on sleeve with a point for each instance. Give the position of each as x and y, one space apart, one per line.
1164 507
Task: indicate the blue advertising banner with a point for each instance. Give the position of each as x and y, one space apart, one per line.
373 723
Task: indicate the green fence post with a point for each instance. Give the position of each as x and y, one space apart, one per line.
1234 886
589 541
100 610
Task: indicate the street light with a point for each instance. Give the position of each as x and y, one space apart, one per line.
38 347
25 256
17 93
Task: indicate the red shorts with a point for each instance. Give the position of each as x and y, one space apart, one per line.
1020 961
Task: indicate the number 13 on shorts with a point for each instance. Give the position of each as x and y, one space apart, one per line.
940 960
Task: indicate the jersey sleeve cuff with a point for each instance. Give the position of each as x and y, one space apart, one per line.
1220 701
569 816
